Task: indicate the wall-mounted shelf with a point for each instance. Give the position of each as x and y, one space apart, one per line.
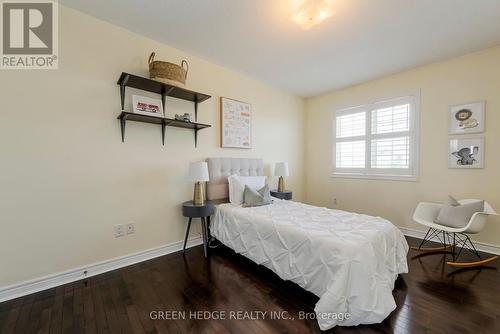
163 121
165 90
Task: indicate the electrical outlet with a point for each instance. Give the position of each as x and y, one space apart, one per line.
335 201
130 228
119 231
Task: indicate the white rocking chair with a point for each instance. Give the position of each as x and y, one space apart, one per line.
426 213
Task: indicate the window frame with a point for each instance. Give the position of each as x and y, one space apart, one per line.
367 172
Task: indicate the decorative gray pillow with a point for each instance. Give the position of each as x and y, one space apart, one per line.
454 214
252 197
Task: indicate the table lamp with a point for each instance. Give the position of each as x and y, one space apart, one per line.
281 170
198 173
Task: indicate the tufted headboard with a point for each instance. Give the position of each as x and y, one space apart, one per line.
219 169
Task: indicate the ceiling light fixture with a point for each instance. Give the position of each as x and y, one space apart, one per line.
312 12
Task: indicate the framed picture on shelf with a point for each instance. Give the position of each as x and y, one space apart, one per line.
236 123
467 118
147 106
466 153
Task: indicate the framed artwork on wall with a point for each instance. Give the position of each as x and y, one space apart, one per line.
236 123
466 153
147 106
467 118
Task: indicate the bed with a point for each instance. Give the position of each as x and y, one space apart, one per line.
349 260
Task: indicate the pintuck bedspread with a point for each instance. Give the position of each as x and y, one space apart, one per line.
350 261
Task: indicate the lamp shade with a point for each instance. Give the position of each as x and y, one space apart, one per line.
198 171
281 169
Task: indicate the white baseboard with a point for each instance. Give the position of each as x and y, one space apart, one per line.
72 275
480 246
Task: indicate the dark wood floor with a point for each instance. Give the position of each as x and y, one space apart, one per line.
432 298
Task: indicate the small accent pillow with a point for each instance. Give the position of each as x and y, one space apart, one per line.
237 186
454 214
452 201
252 197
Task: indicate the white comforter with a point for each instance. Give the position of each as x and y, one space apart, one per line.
349 260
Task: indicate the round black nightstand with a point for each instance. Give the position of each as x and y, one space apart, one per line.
287 194
198 211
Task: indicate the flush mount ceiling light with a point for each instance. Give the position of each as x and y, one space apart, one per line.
309 13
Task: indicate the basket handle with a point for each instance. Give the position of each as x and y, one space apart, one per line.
151 58
187 66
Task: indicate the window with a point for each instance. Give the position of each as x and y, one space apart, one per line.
377 140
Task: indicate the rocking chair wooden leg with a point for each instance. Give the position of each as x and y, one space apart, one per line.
472 250
472 264
428 236
432 249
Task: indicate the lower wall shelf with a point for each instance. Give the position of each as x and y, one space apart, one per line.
162 121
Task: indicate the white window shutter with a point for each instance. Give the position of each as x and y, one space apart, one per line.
377 140
391 119
351 125
350 154
391 153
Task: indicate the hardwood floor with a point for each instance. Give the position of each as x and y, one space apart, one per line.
432 298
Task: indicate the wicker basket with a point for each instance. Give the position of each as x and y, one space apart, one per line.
171 74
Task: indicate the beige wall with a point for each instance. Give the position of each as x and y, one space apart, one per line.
469 78
66 178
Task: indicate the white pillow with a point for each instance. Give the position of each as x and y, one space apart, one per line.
235 189
253 182
237 186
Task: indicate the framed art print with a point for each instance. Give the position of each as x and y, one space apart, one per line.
467 118
236 123
466 153
147 106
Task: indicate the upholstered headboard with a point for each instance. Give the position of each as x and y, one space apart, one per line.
220 168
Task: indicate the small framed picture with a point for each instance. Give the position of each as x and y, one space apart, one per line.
236 119
466 153
467 118
147 106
